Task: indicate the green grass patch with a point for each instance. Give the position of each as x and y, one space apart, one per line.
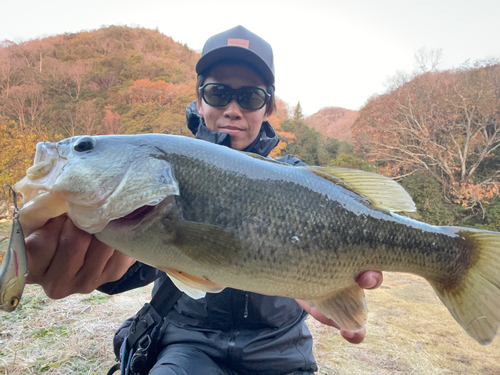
59 331
96 298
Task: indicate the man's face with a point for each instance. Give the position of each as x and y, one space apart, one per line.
241 124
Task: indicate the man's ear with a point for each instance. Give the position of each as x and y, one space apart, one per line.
199 107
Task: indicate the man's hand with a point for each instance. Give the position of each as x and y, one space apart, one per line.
65 260
366 280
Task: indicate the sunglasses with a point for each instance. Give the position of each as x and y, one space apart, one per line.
248 97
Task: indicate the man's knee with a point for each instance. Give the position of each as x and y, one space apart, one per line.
186 360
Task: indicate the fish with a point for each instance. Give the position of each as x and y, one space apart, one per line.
13 270
212 217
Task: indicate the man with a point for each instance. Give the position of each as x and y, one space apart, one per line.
231 332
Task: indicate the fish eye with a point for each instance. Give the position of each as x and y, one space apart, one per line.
84 144
14 301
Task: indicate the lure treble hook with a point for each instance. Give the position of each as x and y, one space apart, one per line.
12 193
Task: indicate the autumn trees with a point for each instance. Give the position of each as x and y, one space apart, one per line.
446 124
63 84
107 81
17 151
436 132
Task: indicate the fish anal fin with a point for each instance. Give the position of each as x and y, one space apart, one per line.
382 192
347 307
193 286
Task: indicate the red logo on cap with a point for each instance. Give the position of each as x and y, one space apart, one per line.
239 43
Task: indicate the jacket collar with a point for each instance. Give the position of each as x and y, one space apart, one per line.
262 145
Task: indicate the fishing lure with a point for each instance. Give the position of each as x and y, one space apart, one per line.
13 270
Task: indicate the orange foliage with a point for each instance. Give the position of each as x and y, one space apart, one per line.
286 137
446 123
144 91
277 150
18 151
333 122
467 193
112 123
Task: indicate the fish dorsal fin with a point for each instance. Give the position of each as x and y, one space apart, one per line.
381 191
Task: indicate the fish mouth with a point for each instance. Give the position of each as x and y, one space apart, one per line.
144 215
138 213
138 216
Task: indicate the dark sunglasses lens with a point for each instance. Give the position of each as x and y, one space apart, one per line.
217 95
252 98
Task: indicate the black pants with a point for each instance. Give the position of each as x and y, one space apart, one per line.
179 359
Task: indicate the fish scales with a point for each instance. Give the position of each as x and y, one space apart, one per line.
345 237
221 218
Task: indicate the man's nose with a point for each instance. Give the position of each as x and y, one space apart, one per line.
233 110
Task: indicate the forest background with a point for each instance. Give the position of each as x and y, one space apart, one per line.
436 132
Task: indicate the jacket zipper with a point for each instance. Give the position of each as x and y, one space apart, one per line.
245 311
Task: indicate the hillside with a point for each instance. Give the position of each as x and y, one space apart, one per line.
438 132
333 122
111 80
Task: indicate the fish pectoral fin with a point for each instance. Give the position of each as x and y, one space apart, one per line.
347 307
381 191
193 286
206 244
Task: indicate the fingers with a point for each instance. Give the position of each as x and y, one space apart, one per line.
354 337
41 246
102 264
89 272
65 260
116 267
59 278
316 314
366 280
370 279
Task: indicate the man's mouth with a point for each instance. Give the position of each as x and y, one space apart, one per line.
231 130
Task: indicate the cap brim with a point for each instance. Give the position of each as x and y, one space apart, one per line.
237 53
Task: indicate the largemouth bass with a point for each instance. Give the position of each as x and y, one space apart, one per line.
212 217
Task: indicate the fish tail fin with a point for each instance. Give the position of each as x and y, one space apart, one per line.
475 301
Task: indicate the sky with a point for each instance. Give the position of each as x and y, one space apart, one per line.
326 52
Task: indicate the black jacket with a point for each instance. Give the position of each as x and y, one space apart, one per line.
250 332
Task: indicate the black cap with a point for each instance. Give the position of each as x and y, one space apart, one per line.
240 44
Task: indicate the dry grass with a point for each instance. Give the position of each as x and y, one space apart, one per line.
70 336
409 331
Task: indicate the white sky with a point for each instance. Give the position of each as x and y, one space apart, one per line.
327 52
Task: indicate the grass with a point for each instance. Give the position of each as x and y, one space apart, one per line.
69 336
5 227
409 331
